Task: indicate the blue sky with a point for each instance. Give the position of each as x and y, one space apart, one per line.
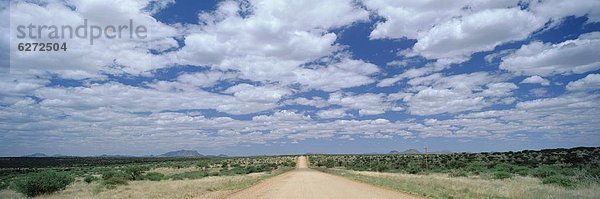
278 77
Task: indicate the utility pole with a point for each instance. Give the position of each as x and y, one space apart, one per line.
426 163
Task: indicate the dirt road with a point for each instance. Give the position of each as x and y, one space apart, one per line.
303 182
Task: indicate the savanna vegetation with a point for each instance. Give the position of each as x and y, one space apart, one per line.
42 176
568 171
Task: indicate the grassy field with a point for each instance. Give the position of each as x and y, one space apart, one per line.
444 186
137 178
208 187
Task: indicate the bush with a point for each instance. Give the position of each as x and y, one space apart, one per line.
89 179
545 171
502 175
476 167
3 185
413 169
521 170
382 167
43 182
153 176
329 164
189 175
113 178
559 180
113 174
114 181
584 177
290 164
505 167
135 171
594 171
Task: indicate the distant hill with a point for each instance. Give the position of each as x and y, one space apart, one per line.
409 151
181 153
36 155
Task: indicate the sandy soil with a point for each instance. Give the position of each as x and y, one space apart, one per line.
308 183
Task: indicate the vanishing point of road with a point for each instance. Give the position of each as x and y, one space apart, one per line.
304 182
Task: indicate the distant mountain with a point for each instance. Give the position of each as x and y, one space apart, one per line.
409 151
36 155
182 153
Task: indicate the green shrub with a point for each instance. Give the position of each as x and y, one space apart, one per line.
290 164
476 167
114 181
89 179
43 182
3 184
545 171
594 171
113 178
413 169
113 174
189 175
329 164
382 167
585 177
135 171
521 170
153 176
505 167
559 180
502 175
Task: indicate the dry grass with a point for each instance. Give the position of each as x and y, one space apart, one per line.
209 187
443 186
171 171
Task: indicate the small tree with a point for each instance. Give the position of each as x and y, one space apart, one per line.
43 182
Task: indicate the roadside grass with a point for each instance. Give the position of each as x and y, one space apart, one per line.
207 187
444 186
